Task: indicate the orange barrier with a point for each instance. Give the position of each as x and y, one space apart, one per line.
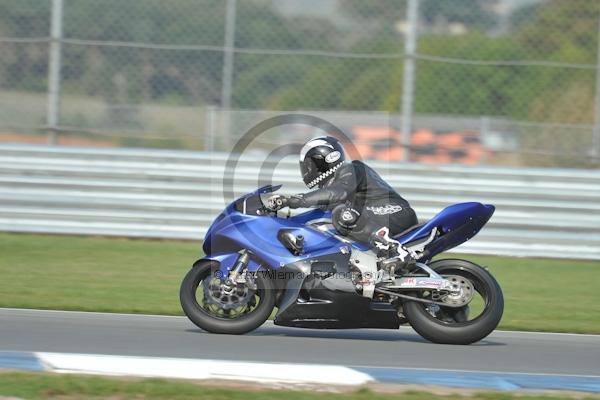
427 146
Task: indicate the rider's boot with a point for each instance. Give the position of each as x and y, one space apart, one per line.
395 256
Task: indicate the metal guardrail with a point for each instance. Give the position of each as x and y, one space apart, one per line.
176 194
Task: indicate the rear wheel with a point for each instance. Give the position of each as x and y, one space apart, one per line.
220 309
481 314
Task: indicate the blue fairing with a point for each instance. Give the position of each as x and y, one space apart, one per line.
449 219
311 215
233 231
227 261
317 214
455 225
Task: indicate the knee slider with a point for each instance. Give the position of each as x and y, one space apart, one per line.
344 218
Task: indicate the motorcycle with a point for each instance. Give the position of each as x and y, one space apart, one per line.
257 260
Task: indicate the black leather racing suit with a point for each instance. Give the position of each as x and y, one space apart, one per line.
362 189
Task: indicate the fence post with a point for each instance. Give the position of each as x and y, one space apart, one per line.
54 67
484 129
596 129
408 82
210 123
228 68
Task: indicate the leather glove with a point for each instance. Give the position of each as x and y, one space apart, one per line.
296 201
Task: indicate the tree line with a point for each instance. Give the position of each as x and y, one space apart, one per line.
554 31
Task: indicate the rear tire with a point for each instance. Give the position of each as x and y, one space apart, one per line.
211 323
438 331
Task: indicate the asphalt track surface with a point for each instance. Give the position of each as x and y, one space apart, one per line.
163 336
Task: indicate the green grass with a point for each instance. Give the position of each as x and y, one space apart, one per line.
66 387
143 276
93 274
547 295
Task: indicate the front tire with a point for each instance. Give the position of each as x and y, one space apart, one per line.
456 329
204 318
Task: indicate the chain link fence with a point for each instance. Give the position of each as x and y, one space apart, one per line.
477 81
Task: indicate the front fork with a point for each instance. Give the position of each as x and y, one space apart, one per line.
237 276
239 266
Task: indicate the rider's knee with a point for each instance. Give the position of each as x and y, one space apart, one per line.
344 219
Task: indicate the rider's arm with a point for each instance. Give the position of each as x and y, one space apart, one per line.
344 184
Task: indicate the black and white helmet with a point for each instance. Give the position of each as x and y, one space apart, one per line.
319 159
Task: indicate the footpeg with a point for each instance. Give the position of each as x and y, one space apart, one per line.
390 265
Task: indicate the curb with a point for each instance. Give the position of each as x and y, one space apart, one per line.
484 380
181 368
311 374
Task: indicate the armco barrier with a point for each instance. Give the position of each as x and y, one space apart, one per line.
175 194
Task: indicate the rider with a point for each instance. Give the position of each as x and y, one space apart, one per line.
365 207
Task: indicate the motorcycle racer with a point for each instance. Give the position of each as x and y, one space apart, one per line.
364 206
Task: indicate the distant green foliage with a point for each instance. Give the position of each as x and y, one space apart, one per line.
555 31
473 13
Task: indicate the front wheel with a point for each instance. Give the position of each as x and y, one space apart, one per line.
220 309
467 324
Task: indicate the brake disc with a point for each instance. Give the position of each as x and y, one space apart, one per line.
226 297
462 291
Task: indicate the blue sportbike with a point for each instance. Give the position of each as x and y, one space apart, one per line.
258 260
